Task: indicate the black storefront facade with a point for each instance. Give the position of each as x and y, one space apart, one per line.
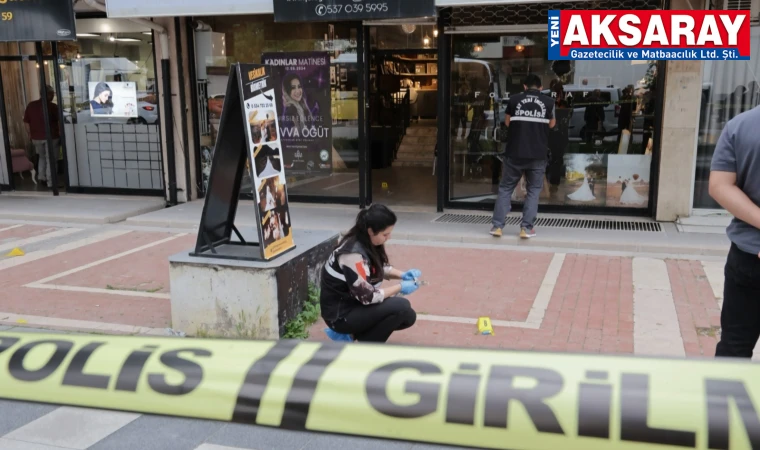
436 87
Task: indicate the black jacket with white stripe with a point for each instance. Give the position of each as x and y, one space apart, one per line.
349 281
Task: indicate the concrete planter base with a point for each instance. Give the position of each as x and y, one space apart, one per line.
246 299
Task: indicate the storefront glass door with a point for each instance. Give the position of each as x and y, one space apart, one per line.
403 113
20 87
601 148
111 110
320 97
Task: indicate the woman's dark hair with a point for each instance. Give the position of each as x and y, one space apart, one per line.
103 87
288 80
377 218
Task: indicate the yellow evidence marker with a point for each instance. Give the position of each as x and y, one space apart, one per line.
484 326
16 252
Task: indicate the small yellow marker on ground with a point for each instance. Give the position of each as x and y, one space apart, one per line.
16 252
484 326
21 321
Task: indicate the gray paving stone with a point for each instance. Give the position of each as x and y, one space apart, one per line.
72 428
22 329
30 330
9 444
261 438
17 414
76 209
160 433
437 447
338 442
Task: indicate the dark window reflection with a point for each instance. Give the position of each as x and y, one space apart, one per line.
728 89
600 150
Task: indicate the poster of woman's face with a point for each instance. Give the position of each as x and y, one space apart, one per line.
113 99
299 110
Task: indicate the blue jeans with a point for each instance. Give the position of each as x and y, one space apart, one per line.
512 171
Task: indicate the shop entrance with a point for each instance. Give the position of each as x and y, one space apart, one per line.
22 120
600 152
403 111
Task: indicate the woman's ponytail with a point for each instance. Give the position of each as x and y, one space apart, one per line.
361 220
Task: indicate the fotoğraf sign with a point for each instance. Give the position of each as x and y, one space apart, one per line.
37 20
649 35
334 10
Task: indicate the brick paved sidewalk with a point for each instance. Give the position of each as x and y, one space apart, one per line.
590 309
116 279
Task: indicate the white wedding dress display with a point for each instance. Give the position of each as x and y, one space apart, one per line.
583 194
270 201
269 170
631 197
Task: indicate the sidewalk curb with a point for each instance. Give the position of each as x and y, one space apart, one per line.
75 219
507 240
83 326
719 251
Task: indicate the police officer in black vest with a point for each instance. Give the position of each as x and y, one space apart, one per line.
529 117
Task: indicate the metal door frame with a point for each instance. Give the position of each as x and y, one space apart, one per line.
4 119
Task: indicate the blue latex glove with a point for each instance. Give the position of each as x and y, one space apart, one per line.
410 275
408 287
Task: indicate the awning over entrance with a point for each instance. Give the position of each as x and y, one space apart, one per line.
171 8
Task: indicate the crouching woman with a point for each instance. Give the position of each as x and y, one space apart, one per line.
354 305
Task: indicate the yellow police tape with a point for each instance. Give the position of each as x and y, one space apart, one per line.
473 398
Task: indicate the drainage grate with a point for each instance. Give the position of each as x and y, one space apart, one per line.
578 224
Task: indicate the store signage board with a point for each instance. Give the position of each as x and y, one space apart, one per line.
342 10
172 8
37 20
120 9
248 139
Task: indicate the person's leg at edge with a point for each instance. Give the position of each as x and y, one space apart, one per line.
376 323
740 317
510 176
535 179
54 159
43 169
